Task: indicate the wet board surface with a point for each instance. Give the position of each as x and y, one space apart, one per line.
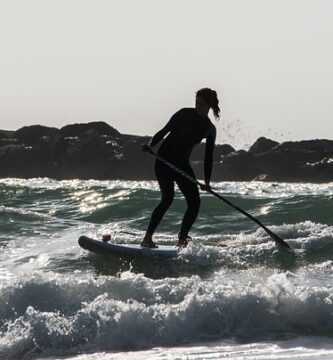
101 247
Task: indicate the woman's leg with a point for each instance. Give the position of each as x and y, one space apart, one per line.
167 187
191 194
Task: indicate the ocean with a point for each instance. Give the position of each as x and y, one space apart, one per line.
230 295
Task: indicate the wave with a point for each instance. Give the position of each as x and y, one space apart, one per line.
254 188
232 282
133 312
101 201
22 213
311 243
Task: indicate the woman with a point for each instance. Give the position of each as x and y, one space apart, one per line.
187 128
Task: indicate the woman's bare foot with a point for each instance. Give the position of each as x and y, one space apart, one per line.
148 242
182 243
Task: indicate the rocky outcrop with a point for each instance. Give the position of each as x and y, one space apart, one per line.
95 127
262 145
7 138
30 135
97 150
238 165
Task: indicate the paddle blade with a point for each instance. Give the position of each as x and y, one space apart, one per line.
281 243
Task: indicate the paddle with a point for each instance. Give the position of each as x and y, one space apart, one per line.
281 243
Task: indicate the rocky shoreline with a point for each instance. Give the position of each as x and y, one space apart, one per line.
96 150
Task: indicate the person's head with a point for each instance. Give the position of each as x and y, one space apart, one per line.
207 99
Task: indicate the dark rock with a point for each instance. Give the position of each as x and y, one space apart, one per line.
285 165
97 150
33 134
262 145
323 146
222 150
134 163
8 141
7 134
7 149
320 171
98 127
238 165
17 160
7 137
219 151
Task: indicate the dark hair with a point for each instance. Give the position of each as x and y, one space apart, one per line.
210 96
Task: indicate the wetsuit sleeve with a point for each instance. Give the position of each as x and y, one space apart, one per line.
167 128
210 145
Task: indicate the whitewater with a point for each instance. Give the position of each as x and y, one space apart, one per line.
231 294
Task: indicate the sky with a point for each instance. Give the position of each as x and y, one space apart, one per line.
133 63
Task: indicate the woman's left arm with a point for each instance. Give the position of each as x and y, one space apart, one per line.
210 145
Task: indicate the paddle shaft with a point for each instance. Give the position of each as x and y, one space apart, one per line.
275 237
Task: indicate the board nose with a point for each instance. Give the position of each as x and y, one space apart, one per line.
83 241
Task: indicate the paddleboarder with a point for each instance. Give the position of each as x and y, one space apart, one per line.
186 128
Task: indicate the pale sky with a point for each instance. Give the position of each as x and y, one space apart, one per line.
133 63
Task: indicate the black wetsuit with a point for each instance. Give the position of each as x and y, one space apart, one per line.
186 129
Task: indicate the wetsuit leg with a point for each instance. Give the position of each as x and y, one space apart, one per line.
165 180
191 194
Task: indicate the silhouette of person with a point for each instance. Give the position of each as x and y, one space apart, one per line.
186 128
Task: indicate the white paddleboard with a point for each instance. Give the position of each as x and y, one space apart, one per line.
102 247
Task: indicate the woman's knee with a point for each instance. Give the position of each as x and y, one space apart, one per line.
166 201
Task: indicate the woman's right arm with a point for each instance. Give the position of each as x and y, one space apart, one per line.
167 128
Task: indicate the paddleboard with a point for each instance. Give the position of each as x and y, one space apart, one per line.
131 250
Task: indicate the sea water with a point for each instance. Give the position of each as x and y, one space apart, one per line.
231 294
